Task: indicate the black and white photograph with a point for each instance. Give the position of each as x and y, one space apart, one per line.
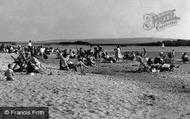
94 59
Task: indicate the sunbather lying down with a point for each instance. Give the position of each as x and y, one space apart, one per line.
72 66
162 67
105 58
108 59
153 67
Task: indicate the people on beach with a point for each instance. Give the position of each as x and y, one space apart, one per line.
30 45
143 64
106 58
63 64
72 54
71 59
118 54
171 56
2 47
156 64
162 55
66 64
184 57
9 73
144 52
33 65
27 61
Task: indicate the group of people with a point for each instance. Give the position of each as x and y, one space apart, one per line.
86 57
133 55
7 48
26 61
164 62
69 59
28 58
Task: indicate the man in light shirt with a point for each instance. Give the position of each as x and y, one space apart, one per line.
30 43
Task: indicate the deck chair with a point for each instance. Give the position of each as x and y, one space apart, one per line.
19 62
143 65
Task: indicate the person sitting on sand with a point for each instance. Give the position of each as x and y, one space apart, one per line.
133 56
90 61
9 73
162 55
72 54
150 61
80 53
158 60
75 65
157 64
107 58
185 58
65 64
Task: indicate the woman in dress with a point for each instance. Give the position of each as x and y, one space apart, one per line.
118 54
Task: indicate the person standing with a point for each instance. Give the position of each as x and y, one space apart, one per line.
30 43
173 56
118 54
30 46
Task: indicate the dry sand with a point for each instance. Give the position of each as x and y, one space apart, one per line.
109 91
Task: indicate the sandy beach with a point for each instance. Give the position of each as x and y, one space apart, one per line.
108 91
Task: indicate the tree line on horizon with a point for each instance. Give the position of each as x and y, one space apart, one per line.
178 42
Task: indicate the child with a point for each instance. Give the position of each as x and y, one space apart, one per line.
9 73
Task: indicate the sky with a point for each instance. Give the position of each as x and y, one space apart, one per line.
39 20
